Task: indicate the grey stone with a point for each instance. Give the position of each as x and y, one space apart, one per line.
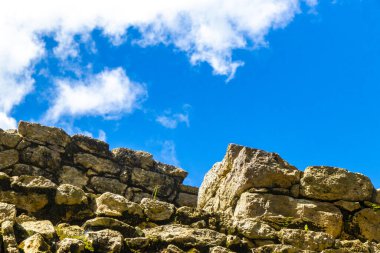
30 202
157 210
8 158
99 165
9 139
24 169
103 184
42 157
73 176
91 145
186 199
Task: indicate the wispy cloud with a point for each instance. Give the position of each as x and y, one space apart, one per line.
109 94
168 153
206 30
171 120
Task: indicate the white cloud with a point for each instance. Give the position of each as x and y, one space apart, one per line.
108 94
171 120
168 153
206 30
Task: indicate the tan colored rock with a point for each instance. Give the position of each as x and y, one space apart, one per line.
109 204
73 176
42 157
70 195
137 243
157 210
189 189
65 230
70 245
43 134
106 240
8 158
42 227
8 237
134 158
172 249
325 216
99 165
347 205
99 223
277 249
104 184
30 202
185 236
330 183
24 169
91 145
306 240
9 139
348 246
7 212
33 183
186 199
368 223
153 181
171 170
220 249
35 244
255 229
241 169
376 197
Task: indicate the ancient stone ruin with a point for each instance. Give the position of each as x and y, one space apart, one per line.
61 193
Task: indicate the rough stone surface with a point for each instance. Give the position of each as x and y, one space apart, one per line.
71 245
157 210
97 164
376 197
42 157
106 240
348 206
33 183
280 208
186 236
8 158
70 195
7 212
110 204
254 229
73 176
307 240
100 223
35 244
186 199
8 236
368 223
9 139
91 145
241 169
43 134
31 202
43 227
103 184
325 183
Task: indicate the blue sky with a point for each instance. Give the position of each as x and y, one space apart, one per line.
306 85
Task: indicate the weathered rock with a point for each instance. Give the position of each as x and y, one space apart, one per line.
42 157
42 227
70 195
24 169
368 223
100 223
35 244
65 230
376 197
347 205
106 240
91 145
137 243
136 194
71 245
172 249
186 199
185 236
99 165
189 189
30 202
276 248
270 207
171 170
7 212
9 238
133 158
9 139
157 210
103 184
220 249
43 134
33 183
348 246
330 183
254 229
307 240
73 176
154 182
109 204
241 169
8 158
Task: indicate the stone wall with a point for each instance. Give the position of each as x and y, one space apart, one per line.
89 164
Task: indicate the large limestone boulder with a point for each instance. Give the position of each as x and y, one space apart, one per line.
43 134
242 169
330 184
35 244
42 227
70 195
109 204
255 229
97 164
186 236
306 240
368 223
31 202
8 158
157 210
282 209
7 212
9 138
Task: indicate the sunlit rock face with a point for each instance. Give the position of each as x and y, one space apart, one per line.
61 193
